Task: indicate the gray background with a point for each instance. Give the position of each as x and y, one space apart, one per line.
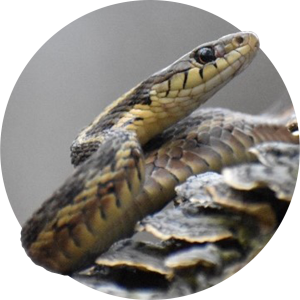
87 65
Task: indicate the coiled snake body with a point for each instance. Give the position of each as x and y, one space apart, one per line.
131 157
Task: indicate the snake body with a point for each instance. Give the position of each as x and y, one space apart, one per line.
130 158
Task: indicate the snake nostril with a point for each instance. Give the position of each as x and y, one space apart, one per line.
239 40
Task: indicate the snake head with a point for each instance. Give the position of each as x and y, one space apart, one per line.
233 51
194 78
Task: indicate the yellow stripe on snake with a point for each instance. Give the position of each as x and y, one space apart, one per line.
132 156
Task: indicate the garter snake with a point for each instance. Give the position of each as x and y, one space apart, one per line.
130 158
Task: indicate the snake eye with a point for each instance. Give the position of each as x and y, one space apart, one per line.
205 55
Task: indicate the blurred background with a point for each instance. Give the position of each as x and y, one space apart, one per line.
89 64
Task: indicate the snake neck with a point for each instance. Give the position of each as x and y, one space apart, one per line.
174 92
170 94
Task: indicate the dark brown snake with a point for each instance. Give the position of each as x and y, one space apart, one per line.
131 157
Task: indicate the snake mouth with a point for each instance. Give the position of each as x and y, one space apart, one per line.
254 41
244 42
238 49
238 40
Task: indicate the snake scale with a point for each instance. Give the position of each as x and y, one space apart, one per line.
132 156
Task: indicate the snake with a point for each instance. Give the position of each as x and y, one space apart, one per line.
129 160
